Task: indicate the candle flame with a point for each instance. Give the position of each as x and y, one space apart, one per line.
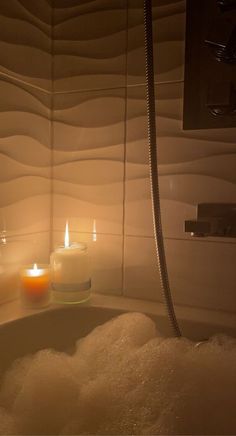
94 231
67 237
34 272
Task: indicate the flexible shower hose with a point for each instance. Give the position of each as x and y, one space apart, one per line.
153 168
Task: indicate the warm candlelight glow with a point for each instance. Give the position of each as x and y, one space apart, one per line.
35 271
70 272
67 237
35 282
94 231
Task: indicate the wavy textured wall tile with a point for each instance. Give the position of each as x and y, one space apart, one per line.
89 44
88 160
25 41
195 276
89 155
194 167
28 248
25 158
168 35
141 277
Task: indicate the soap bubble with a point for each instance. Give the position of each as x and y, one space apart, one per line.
123 378
12 382
48 394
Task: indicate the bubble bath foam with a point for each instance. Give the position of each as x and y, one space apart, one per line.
123 378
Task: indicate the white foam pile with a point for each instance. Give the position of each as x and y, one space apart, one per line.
123 379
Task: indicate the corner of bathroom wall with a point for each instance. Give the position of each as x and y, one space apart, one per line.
99 140
89 130
25 136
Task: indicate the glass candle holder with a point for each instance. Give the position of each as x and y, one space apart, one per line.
70 271
35 285
13 252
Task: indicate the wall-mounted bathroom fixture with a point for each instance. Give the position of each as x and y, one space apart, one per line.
221 99
210 65
226 5
213 219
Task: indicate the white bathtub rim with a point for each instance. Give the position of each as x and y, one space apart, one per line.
13 311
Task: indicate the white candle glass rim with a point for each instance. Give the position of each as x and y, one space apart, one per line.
82 245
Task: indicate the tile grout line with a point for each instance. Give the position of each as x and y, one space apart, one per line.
52 134
111 88
30 85
156 83
125 151
74 91
128 235
174 238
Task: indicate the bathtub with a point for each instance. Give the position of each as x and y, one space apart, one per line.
23 332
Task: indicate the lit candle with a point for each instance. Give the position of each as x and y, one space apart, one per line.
35 282
70 271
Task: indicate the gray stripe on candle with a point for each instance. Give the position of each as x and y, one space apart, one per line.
71 287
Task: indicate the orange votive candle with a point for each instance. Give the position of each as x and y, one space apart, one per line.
35 283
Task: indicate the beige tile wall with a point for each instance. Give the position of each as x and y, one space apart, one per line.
89 44
89 160
25 137
25 42
100 156
90 40
194 167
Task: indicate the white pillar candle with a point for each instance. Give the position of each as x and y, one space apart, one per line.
70 265
70 271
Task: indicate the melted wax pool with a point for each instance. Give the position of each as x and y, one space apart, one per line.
123 379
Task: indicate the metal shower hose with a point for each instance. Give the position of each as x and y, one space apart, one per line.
153 168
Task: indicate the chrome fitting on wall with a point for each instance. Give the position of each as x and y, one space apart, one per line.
213 219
